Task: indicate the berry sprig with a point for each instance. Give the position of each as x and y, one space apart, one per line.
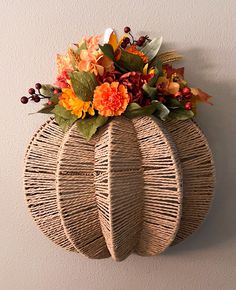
184 95
37 96
131 41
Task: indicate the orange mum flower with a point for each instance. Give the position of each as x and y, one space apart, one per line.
71 102
111 99
132 49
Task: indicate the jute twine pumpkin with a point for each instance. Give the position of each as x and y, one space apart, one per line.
139 186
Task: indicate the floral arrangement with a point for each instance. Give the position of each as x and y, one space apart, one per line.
99 81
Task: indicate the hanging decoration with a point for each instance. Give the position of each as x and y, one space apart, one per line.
121 166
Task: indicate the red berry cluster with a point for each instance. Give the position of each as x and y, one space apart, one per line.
37 96
183 95
186 94
131 41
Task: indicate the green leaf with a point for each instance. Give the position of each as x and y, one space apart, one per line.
88 127
47 109
133 110
183 84
119 68
107 49
130 62
154 79
172 103
151 91
63 123
180 114
156 63
55 99
157 73
162 112
63 117
156 108
62 112
83 84
48 90
152 48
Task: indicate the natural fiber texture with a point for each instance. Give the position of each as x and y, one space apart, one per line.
122 191
198 174
162 187
169 56
119 186
40 182
76 195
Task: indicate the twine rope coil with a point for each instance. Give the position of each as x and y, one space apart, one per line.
139 185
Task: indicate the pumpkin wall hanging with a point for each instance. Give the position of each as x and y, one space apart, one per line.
121 167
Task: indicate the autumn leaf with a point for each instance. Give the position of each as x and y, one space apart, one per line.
113 41
170 70
201 96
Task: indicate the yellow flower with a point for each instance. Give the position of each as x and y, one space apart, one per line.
147 70
71 102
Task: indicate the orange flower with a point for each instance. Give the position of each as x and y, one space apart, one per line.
132 49
71 102
111 99
89 62
92 59
92 42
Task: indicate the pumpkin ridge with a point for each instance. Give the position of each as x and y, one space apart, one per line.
198 175
119 191
162 187
41 201
76 199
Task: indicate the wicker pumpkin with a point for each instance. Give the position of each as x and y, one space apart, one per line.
139 185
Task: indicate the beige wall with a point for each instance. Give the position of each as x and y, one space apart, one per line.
31 33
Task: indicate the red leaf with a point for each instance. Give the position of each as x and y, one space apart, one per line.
203 97
170 70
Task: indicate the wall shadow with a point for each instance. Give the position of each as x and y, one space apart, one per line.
218 123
